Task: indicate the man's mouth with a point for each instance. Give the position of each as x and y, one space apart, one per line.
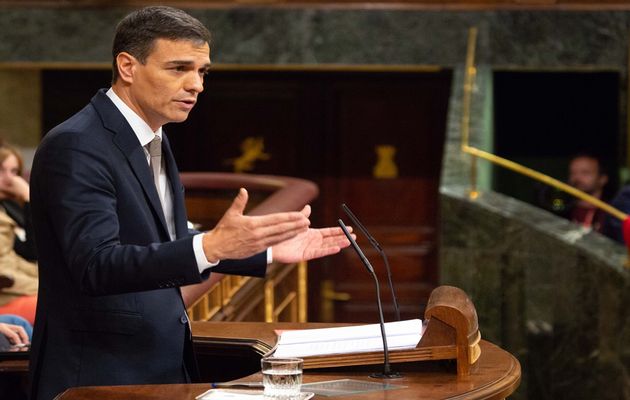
188 103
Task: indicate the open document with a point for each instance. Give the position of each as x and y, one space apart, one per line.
401 335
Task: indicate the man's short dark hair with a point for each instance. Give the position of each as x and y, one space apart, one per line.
137 32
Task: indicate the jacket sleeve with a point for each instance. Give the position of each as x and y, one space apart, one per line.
255 266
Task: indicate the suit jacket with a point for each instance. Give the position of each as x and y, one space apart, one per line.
110 310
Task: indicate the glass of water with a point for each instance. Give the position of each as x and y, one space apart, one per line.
282 377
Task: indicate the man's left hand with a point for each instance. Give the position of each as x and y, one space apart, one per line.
313 243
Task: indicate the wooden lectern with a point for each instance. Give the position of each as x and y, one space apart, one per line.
451 333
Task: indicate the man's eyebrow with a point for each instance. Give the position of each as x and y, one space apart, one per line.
187 63
179 62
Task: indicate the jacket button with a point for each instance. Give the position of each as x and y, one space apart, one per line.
183 319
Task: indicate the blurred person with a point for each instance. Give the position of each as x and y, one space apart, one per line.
15 200
587 174
17 247
20 297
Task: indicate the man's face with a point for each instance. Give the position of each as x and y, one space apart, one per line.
165 88
584 174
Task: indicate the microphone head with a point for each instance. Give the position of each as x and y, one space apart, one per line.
356 247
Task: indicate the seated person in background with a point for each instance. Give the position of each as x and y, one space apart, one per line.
587 174
14 198
20 298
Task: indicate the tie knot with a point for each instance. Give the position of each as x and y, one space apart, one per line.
155 147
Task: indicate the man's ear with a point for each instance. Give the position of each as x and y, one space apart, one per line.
126 64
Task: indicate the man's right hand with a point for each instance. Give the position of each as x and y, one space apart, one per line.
238 236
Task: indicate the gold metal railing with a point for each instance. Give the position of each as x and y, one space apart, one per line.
470 72
284 297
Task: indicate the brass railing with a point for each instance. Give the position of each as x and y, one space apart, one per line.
470 72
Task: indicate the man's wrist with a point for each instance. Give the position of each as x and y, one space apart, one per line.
200 256
209 250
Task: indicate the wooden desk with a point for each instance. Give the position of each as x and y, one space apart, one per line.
17 366
495 376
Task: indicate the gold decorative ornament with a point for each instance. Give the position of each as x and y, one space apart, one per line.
252 149
385 167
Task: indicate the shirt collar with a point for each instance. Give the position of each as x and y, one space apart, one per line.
138 125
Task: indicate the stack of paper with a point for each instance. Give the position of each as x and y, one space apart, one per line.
348 339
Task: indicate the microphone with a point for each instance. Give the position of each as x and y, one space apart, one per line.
358 224
387 372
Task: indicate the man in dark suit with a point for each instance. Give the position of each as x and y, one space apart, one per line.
113 243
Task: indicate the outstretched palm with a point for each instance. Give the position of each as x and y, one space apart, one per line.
313 243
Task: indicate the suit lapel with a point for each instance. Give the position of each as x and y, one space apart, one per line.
128 143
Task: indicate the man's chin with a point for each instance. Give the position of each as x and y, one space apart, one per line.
179 117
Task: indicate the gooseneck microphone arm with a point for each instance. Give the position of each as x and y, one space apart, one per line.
377 246
387 372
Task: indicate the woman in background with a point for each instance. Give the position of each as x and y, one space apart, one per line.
15 199
16 242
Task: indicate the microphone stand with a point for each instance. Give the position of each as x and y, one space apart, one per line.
380 250
387 372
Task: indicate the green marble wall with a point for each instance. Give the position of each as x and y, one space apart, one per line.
333 36
554 296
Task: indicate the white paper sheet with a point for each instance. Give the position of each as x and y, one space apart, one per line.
348 339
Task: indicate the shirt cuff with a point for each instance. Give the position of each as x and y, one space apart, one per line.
202 262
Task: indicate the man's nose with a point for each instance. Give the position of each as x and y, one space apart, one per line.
194 83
